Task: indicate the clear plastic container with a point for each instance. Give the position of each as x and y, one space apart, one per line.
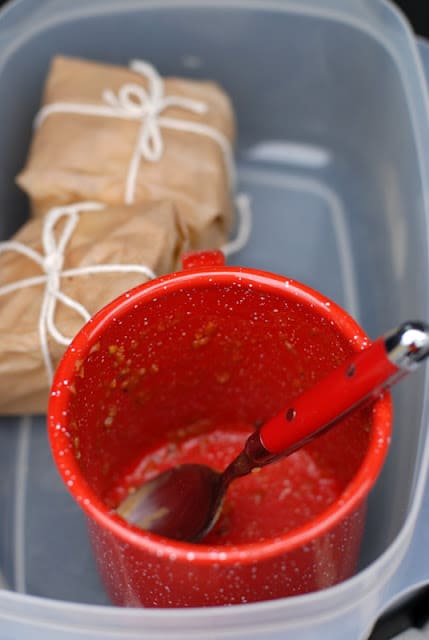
333 150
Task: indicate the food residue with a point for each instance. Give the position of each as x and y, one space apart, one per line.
277 499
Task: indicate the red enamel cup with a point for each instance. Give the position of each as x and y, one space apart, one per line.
209 346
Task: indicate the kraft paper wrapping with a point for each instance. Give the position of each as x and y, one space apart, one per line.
150 234
76 157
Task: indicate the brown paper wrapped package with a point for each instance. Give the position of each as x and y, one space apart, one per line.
77 157
150 234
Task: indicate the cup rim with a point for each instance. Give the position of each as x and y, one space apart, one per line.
63 453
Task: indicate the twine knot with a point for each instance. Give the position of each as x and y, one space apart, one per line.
51 262
147 106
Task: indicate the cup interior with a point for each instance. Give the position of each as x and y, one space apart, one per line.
184 356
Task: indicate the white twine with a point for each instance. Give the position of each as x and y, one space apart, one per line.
51 263
134 102
244 225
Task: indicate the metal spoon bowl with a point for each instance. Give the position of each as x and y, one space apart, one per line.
179 503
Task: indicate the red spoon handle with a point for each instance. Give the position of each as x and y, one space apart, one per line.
361 377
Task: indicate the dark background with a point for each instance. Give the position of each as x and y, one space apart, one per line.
417 12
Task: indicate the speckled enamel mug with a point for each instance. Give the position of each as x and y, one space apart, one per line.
209 346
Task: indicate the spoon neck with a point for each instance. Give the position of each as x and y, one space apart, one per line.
253 455
256 452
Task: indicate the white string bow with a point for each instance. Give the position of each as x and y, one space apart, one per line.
134 102
51 262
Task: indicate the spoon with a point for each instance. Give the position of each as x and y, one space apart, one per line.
184 502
